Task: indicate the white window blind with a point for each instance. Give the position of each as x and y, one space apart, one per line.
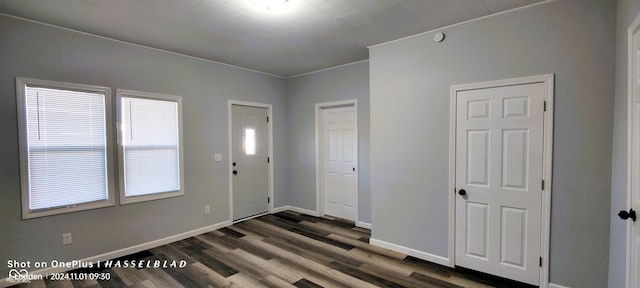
64 147
150 146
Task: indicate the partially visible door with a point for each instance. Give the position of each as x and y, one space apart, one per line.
249 161
499 156
340 153
634 172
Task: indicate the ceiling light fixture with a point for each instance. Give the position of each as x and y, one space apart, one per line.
270 4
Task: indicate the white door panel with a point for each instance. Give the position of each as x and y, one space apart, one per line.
478 157
340 159
477 230
515 152
499 153
250 166
513 236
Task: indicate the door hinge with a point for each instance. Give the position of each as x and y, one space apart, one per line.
545 106
540 262
268 199
542 184
268 160
267 119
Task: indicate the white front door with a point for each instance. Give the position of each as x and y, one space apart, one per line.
498 178
249 161
634 173
340 153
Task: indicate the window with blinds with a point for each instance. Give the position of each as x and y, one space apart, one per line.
150 146
63 147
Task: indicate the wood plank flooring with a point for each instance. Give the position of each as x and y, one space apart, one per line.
286 249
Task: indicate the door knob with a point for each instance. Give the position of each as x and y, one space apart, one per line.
235 172
624 215
462 192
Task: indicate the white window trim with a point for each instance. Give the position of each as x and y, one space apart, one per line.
154 96
21 83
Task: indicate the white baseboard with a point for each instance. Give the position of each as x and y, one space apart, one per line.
280 209
304 211
412 252
295 209
428 256
314 213
363 225
551 285
126 251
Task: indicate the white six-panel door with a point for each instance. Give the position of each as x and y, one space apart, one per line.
498 159
249 161
340 153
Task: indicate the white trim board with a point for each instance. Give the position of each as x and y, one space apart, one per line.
547 162
325 69
411 252
252 217
280 209
177 53
551 285
269 107
313 213
630 149
427 256
128 251
139 45
461 23
295 209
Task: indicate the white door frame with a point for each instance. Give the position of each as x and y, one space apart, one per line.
635 25
320 155
230 103
547 80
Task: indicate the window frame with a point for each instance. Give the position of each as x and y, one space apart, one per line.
124 199
21 84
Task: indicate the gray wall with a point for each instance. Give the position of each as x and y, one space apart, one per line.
627 11
340 83
43 52
410 81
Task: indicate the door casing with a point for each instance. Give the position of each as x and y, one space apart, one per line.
548 81
632 154
230 103
320 156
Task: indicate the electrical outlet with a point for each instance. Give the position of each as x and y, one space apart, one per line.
207 209
217 157
66 239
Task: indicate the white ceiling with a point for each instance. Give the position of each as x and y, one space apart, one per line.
303 36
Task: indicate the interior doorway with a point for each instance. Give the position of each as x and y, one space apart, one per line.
337 159
500 177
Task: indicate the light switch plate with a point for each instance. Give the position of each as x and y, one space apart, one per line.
66 239
217 157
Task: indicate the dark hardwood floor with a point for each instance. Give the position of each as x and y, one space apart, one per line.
286 249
